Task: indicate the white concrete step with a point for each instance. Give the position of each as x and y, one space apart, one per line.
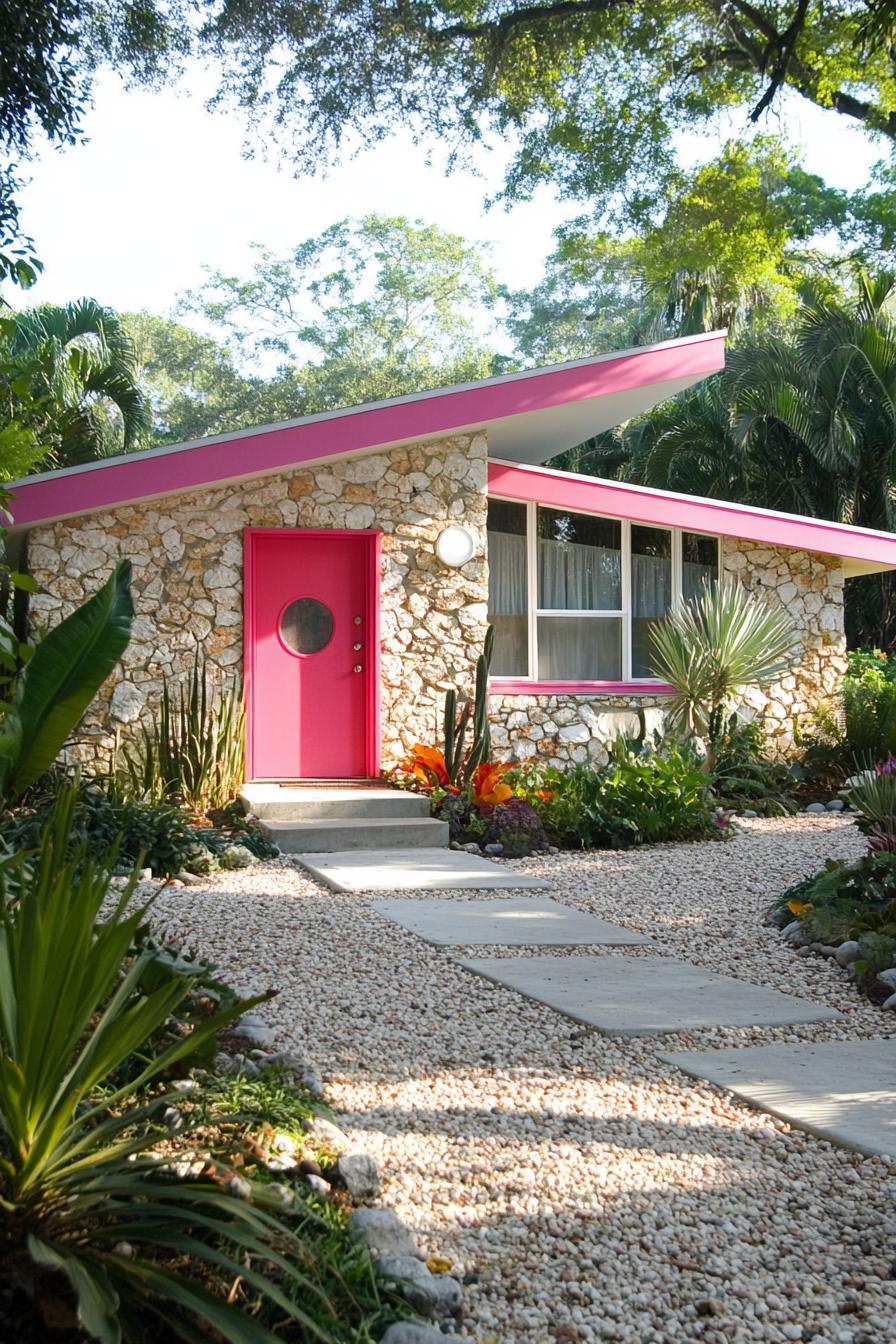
307 802
333 835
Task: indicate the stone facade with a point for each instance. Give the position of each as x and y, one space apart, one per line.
576 728
187 555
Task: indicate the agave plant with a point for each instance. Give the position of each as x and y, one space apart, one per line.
714 646
194 750
95 1227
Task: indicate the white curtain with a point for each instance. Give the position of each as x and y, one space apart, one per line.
651 585
692 576
579 648
572 577
506 574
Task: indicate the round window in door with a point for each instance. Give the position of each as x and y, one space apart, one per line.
306 625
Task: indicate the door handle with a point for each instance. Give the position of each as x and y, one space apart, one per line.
358 667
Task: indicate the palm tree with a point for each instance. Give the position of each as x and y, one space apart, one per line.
803 421
81 370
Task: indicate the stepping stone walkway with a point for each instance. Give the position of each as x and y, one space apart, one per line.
422 869
522 922
844 1091
641 996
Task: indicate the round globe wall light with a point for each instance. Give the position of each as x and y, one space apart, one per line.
455 546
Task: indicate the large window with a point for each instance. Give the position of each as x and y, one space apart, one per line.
573 596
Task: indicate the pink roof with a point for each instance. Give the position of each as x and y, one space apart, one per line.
529 417
861 550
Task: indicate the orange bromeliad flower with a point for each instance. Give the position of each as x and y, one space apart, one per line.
487 786
427 764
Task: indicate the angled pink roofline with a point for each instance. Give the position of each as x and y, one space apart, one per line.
692 513
266 449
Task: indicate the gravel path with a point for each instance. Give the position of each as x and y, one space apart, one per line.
588 1190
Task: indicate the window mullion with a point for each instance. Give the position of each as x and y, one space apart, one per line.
677 568
626 544
532 586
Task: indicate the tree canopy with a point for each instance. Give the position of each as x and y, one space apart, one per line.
369 308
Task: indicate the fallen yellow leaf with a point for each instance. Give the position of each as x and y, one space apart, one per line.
438 1264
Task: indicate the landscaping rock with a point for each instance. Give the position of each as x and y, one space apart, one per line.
317 1184
359 1174
257 1035
383 1233
846 953
435 1295
493 849
236 856
888 977
749 812
289 1060
327 1133
796 934
836 805
471 848
313 1081
405 1332
816 807
890 1002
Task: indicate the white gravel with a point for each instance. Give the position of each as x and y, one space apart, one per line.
590 1191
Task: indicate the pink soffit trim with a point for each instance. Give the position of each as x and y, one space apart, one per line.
717 517
212 462
519 686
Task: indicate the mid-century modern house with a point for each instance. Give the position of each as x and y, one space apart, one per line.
346 564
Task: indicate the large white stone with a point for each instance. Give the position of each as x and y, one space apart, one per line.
127 702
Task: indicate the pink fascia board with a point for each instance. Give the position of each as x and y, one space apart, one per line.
519 686
213 462
716 517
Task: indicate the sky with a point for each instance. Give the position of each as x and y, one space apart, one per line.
162 188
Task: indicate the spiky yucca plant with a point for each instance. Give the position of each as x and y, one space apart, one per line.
194 750
96 1229
714 646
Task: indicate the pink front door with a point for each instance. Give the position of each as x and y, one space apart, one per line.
311 654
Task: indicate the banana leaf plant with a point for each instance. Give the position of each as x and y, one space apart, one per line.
59 681
96 1228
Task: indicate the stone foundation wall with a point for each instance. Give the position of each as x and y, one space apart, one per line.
564 729
187 553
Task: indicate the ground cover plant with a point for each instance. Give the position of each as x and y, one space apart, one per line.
848 910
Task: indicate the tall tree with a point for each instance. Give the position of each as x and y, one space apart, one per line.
367 309
596 90
194 388
736 241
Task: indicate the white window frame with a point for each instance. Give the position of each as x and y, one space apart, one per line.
533 611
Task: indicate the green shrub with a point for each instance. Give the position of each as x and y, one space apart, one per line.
845 901
194 750
866 729
157 834
642 797
743 775
96 1230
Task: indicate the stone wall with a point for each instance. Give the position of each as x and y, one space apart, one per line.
573 728
187 553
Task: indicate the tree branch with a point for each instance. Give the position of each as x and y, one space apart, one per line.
514 18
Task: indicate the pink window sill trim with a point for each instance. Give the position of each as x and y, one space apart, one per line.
522 687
